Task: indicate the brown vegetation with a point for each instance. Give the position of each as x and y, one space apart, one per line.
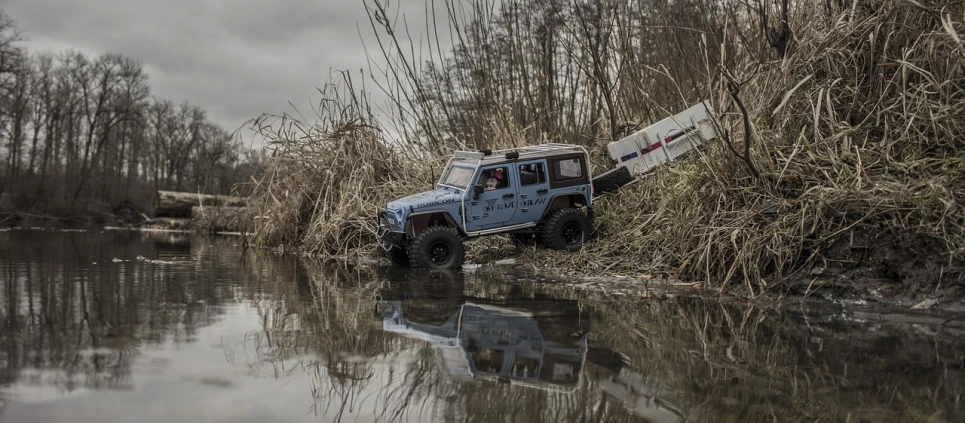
849 118
859 128
325 182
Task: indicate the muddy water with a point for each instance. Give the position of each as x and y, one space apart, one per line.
121 326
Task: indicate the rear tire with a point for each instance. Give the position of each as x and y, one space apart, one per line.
437 247
566 229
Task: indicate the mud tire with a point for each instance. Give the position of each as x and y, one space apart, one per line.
437 247
612 180
565 230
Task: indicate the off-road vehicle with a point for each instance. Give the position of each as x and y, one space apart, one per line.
538 194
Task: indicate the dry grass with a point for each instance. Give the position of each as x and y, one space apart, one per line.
859 130
326 181
321 192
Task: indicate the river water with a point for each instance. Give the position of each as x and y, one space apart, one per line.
118 326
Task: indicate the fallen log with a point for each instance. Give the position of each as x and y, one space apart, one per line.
179 204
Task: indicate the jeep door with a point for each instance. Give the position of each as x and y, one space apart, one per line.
533 192
497 204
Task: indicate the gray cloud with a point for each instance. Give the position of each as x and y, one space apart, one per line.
235 58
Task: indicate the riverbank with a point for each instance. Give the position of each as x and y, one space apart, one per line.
850 287
849 187
860 281
124 218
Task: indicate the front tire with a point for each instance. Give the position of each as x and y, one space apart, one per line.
437 247
566 230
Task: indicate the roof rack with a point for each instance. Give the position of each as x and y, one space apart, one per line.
519 152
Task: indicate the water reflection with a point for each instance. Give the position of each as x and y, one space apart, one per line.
421 345
537 341
198 330
532 342
74 316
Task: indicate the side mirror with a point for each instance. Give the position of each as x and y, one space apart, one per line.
477 190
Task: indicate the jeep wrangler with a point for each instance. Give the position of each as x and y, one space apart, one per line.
538 195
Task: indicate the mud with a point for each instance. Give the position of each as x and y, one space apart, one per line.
905 271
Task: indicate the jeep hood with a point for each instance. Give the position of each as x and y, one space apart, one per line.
436 197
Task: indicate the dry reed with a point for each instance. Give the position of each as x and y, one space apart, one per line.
326 181
858 131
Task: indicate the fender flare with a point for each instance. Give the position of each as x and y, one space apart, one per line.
417 222
581 196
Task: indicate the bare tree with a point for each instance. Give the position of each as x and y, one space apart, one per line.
11 63
74 130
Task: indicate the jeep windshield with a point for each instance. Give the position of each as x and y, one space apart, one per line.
458 176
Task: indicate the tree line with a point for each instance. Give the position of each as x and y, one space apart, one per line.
80 133
579 71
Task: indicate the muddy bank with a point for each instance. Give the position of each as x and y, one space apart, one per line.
904 270
902 275
899 272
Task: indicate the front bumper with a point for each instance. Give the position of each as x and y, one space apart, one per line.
386 237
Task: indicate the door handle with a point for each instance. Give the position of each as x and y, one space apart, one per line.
542 191
509 195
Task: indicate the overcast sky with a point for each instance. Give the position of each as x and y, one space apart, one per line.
234 58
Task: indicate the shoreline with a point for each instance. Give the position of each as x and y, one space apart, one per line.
842 286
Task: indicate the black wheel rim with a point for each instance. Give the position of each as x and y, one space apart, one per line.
572 233
439 253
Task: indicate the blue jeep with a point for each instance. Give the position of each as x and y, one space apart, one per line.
538 195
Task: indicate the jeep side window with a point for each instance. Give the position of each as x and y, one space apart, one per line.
566 169
531 174
495 178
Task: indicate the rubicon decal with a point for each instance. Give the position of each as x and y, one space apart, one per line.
436 203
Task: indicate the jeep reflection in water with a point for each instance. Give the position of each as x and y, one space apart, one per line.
530 341
538 195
